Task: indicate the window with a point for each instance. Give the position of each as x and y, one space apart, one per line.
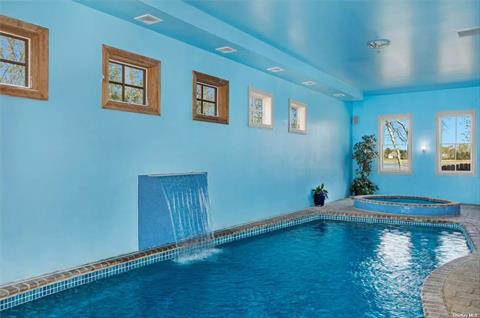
395 144
297 117
131 82
210 98
260 109
23 59
455 143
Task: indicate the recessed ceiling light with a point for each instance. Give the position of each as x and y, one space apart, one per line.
275 69
308 83
339 95
148 19
378 44
226 49
469 32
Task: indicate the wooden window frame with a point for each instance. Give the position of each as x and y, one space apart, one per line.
296 104
222 87
381 121
152 82
473 144
36 58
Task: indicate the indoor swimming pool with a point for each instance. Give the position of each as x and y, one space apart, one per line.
322 268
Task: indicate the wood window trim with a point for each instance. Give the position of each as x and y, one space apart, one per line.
222 87
152 77
37 73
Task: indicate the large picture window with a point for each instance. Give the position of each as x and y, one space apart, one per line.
395 144
455 143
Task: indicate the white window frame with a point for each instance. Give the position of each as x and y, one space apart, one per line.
252 93
381 121
296 104
438 151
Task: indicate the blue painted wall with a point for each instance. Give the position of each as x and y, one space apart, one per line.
69 168
423 107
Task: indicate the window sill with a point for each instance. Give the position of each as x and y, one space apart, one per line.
25 92
400 173
134 108
210 119
456 174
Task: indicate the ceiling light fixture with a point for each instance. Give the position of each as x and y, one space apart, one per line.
275 69
308 83
378 44
148 19
339 95
226 49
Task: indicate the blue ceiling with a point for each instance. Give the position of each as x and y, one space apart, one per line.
325 41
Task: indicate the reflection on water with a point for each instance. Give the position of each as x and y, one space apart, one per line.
395 250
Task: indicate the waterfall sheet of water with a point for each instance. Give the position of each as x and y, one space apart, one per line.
188 203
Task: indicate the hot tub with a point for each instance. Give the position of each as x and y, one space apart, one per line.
406 205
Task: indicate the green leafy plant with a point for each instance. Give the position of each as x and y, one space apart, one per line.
321 189
364 153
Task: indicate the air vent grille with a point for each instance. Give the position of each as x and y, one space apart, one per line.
275 69
226 49
148 19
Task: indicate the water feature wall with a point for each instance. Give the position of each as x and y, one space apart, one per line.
173 208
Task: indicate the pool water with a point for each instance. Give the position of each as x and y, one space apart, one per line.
404 200
319 269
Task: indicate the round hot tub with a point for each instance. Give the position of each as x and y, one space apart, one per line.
406 205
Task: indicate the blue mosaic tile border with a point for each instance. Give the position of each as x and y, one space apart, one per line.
255 230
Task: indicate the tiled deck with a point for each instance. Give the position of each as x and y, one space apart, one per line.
450 291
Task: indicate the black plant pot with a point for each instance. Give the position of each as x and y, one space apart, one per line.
319 199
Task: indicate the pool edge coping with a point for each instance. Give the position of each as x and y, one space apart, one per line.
20 292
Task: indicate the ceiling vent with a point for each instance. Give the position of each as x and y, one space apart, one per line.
148 19
339 95
469 32
308 83
275 69
226 49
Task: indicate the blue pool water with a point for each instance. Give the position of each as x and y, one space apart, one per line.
320 269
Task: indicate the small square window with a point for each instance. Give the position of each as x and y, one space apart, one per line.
297 117
260 109
23 59
210 98
130 82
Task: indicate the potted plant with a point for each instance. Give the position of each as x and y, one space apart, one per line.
319 195
364 153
